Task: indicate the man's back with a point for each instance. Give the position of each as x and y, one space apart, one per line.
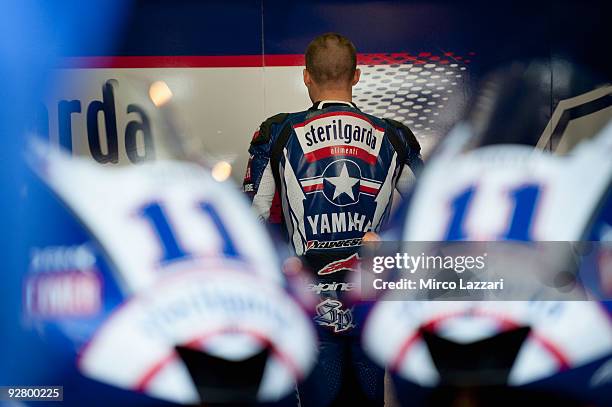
335 168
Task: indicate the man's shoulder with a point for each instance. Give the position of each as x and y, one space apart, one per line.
269 128
406 135
280 119
379 122
312 114
396 128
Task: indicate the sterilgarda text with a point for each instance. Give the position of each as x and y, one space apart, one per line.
337 131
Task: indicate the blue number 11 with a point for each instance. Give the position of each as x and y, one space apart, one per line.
172 249
525 200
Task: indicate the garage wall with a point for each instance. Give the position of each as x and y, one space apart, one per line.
230 65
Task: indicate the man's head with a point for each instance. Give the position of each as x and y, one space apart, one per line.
331 67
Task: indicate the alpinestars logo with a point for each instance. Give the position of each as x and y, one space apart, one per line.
341 183
350 263
330 313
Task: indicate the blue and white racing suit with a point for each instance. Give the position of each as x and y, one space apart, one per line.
327 176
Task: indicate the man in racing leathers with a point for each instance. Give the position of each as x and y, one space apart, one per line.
327 176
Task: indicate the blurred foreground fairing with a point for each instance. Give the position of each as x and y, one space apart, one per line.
174 291
487 183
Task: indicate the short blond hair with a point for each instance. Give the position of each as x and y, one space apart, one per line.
331 58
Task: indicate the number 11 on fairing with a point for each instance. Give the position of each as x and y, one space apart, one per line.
525 199
157 217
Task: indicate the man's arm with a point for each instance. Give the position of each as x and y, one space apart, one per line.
413 163
412 167
259 183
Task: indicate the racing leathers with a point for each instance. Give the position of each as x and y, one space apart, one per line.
327 176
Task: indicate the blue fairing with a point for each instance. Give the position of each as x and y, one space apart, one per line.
48 346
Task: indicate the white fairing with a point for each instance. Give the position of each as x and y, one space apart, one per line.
571 188
229 314
230 306
109 200
563 334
